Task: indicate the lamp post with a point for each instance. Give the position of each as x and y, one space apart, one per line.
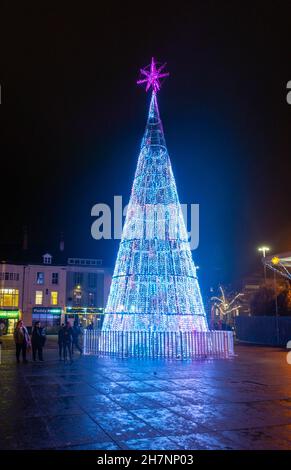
264 249
276 309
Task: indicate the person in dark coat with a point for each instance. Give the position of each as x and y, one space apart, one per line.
67 340
76 333
61 340
38 338
22 341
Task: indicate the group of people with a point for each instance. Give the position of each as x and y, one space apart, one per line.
68 339
24 343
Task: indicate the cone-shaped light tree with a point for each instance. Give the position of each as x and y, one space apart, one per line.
154 285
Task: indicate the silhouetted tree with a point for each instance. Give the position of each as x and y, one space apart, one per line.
263 301
284 302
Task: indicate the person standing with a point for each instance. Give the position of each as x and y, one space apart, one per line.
2 328
61 340
22 341
37 341
67 340
76 333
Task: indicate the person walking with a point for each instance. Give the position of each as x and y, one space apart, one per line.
38 338
67 341
76 333
22 341
61 341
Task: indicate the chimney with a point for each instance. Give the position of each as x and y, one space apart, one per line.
62 242
25 239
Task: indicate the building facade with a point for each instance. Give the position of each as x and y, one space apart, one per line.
44 293
88 287
52 293
11 295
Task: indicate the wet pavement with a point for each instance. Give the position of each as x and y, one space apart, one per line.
109 403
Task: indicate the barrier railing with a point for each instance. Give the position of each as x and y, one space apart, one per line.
154 344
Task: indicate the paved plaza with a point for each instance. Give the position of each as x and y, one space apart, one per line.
112 404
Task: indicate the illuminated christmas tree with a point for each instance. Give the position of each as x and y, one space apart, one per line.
154 285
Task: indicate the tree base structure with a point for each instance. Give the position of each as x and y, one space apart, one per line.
160 344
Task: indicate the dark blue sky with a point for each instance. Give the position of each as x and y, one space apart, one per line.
73 118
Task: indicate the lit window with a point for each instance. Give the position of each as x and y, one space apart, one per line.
77 296
38 297
54 298
40 278
9 297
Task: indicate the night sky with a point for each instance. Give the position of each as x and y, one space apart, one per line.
72 119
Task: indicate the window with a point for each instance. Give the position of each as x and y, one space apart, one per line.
77 302
92 280
9 276
78 278
40 278
9 297
47 258
54 297
38 297
55 278
91 299
47 320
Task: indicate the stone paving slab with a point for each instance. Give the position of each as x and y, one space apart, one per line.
108 403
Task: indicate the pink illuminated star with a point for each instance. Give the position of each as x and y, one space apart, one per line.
151 75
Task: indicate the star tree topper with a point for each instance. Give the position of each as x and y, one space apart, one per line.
151 75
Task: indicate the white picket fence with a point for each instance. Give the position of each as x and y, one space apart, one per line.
190 344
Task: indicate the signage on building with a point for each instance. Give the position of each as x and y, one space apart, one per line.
47 310
9 314
84 310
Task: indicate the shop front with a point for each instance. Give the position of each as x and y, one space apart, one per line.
86 317
8 320
50 318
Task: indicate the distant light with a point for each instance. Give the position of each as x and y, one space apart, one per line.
275 260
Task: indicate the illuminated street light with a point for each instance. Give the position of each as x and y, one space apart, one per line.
264 249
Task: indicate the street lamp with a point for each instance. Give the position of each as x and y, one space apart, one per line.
264 249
